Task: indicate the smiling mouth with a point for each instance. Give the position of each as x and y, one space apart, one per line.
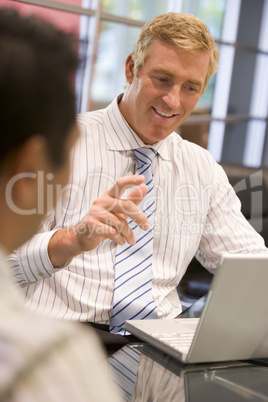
163 113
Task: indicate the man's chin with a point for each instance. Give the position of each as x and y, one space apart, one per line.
155 134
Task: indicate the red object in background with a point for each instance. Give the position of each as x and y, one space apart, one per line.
63 20
66 21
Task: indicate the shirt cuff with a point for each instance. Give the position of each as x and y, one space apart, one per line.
31 262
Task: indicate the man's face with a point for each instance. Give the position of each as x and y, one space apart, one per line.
165 91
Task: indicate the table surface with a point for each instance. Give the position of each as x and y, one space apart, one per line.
144 373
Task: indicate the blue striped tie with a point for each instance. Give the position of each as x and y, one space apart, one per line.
133 266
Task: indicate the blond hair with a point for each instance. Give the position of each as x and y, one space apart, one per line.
183 30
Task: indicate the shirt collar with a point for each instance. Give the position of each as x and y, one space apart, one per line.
121 137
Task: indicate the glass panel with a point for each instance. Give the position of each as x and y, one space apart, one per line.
234 142
215 139
223 82
254 143
109 70
259 99
211 12
263 40
265 152
206 100
142 10
242 83
231 19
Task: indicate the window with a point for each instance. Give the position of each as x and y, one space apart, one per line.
239 126
231 117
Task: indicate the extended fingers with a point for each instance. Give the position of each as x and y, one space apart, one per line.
108 214
122 208
125 207
138 193
123 183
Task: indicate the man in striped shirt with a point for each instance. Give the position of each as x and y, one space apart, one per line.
63 273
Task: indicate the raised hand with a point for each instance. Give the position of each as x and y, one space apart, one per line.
107 218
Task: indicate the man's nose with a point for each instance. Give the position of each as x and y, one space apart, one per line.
173 98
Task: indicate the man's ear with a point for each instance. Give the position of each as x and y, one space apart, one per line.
129 69
31 158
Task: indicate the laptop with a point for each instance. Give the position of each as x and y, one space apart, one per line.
233 324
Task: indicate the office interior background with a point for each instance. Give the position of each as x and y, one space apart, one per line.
230 119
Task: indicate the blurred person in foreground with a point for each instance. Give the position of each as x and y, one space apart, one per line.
40 359
197 211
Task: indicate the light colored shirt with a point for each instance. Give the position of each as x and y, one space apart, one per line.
197 213
142 379
154 382
45 360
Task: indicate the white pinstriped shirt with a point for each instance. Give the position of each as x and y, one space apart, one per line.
142 378
197 213
154 382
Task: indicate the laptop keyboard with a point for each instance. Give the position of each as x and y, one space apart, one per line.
178 341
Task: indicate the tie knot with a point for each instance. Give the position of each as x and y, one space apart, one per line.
145 156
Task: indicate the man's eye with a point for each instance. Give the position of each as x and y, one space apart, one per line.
189 88
161 79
